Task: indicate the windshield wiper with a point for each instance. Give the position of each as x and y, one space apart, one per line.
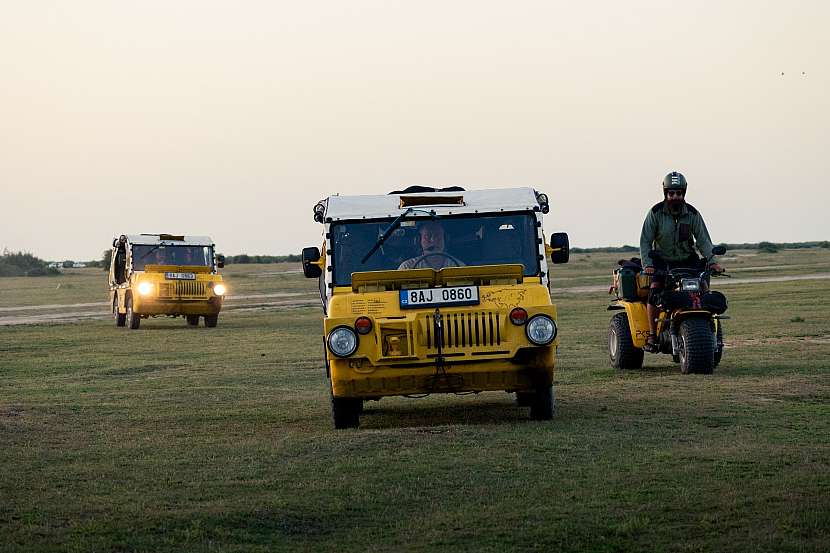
394 226
151 250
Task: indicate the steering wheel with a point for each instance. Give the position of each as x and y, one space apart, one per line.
423 258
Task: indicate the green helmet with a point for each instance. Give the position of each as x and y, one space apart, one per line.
674 181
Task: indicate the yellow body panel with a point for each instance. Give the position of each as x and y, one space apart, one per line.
482 349
637 321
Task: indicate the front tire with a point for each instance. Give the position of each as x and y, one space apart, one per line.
719 344
697 346
211 321
345 412
542 406
622 352
120 318
133 320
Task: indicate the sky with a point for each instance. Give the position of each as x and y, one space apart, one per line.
233 119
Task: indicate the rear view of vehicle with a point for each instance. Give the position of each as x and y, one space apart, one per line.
164 274
436 291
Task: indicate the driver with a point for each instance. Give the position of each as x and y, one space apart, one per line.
431 240
675 228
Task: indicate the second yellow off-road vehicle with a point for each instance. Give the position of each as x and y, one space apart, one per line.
429 291
164 274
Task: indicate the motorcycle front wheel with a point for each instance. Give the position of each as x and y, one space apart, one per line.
697 346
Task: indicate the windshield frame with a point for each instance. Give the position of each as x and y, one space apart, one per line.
134 259
535 271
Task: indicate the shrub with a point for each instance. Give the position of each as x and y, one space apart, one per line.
24 264
244 259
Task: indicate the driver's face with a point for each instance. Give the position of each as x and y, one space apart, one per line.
432 239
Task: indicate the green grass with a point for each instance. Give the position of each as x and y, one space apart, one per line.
191 439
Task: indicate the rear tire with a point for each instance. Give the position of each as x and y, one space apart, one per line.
697 346
133 320
542 407
192 320
120 318
211 321
622 352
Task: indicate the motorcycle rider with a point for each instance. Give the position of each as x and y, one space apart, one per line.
675 228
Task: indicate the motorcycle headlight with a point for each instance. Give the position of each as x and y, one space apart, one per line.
690 285
541 330
342 341
219 289
145 288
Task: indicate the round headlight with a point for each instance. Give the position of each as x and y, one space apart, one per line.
219 289
541 330
145 288
342 341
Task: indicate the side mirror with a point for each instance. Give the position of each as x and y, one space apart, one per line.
310 258
561 247
220 261
719 250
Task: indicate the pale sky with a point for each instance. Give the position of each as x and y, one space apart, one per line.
233 119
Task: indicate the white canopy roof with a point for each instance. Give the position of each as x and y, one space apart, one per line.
389 205
154 239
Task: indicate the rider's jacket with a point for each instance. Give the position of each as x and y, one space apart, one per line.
675 235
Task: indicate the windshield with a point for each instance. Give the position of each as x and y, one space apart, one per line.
171 255
436 243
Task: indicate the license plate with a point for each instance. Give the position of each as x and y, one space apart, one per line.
432 297
180 276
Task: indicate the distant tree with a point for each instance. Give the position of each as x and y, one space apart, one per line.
767 247
106 259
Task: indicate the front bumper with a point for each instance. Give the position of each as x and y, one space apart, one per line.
152 306
529 369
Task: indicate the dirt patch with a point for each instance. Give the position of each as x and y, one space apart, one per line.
101 310
743 342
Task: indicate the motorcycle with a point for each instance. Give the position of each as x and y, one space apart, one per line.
689 324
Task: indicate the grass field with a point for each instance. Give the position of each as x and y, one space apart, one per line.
172 438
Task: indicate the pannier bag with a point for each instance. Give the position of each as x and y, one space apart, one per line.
714 302
627 288
630 284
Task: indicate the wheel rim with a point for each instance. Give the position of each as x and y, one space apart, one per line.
612 342
681 349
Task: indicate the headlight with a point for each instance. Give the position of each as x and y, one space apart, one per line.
342 341
219 289
541 330
145 288
690 285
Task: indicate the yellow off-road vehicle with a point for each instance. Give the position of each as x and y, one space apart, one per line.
165 274
427 291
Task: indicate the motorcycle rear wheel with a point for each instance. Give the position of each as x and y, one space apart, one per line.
622 352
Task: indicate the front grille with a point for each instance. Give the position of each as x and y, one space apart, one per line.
182 288
468 329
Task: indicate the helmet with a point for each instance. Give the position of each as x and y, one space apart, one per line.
674 181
